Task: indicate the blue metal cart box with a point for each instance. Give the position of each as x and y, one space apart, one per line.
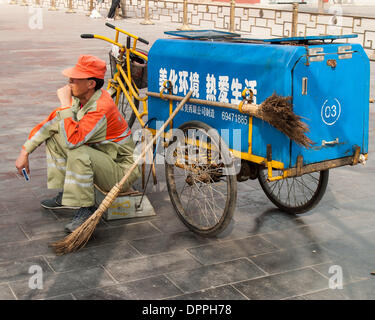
328 82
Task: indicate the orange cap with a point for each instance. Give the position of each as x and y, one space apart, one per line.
87 67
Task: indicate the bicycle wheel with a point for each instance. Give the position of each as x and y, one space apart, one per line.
125 108
200 180
296 194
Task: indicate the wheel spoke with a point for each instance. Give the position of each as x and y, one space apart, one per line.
295 193
200 168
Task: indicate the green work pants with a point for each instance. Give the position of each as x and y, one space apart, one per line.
76 170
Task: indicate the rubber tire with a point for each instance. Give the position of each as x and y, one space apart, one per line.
227 215
319 192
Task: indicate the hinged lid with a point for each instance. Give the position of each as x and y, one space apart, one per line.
203 34
235 37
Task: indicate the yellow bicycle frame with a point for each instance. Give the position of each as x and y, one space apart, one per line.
116 83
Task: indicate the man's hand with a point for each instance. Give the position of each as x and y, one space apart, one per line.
65 95
23 162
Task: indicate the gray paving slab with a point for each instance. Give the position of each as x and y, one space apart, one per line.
306 234
361 290
168 242
6 293
62 283
283 285
219 293
22 269
215 275
134 269
11 233
93 256
25 249
126 232
62 297
43 229
233 249
291 258
328 294
151 288
171 225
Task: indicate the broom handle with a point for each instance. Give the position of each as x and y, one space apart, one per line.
249 108
111 196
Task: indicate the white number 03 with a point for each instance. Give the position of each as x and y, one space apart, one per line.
330 111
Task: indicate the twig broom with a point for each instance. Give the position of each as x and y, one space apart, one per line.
79 237
276 110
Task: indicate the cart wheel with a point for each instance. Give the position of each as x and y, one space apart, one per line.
125 108
200 179
296 194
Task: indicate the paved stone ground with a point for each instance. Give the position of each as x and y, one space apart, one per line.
264 254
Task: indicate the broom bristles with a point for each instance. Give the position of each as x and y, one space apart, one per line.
278 111
79 237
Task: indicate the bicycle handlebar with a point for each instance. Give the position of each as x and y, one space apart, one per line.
87 36
127 33
143 40
90 36
110 25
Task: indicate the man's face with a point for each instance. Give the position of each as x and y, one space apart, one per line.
80 87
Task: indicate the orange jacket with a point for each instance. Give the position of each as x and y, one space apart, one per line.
97 123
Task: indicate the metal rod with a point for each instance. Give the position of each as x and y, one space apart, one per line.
52 6
199 101
231 19
185 24
295 19
70 9
147 14
91 7
325 165
320 6
149 174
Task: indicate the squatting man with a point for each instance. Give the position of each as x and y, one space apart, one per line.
87 142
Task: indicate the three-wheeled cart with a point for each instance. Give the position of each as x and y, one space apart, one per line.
328 82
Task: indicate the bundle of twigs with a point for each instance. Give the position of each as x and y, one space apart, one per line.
79 237
278 112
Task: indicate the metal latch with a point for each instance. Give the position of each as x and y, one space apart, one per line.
304 86
330 143
345 52
332 63
316 54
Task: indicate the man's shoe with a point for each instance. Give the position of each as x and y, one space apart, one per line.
55 203
80 217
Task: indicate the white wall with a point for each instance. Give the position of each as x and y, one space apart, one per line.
354 2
